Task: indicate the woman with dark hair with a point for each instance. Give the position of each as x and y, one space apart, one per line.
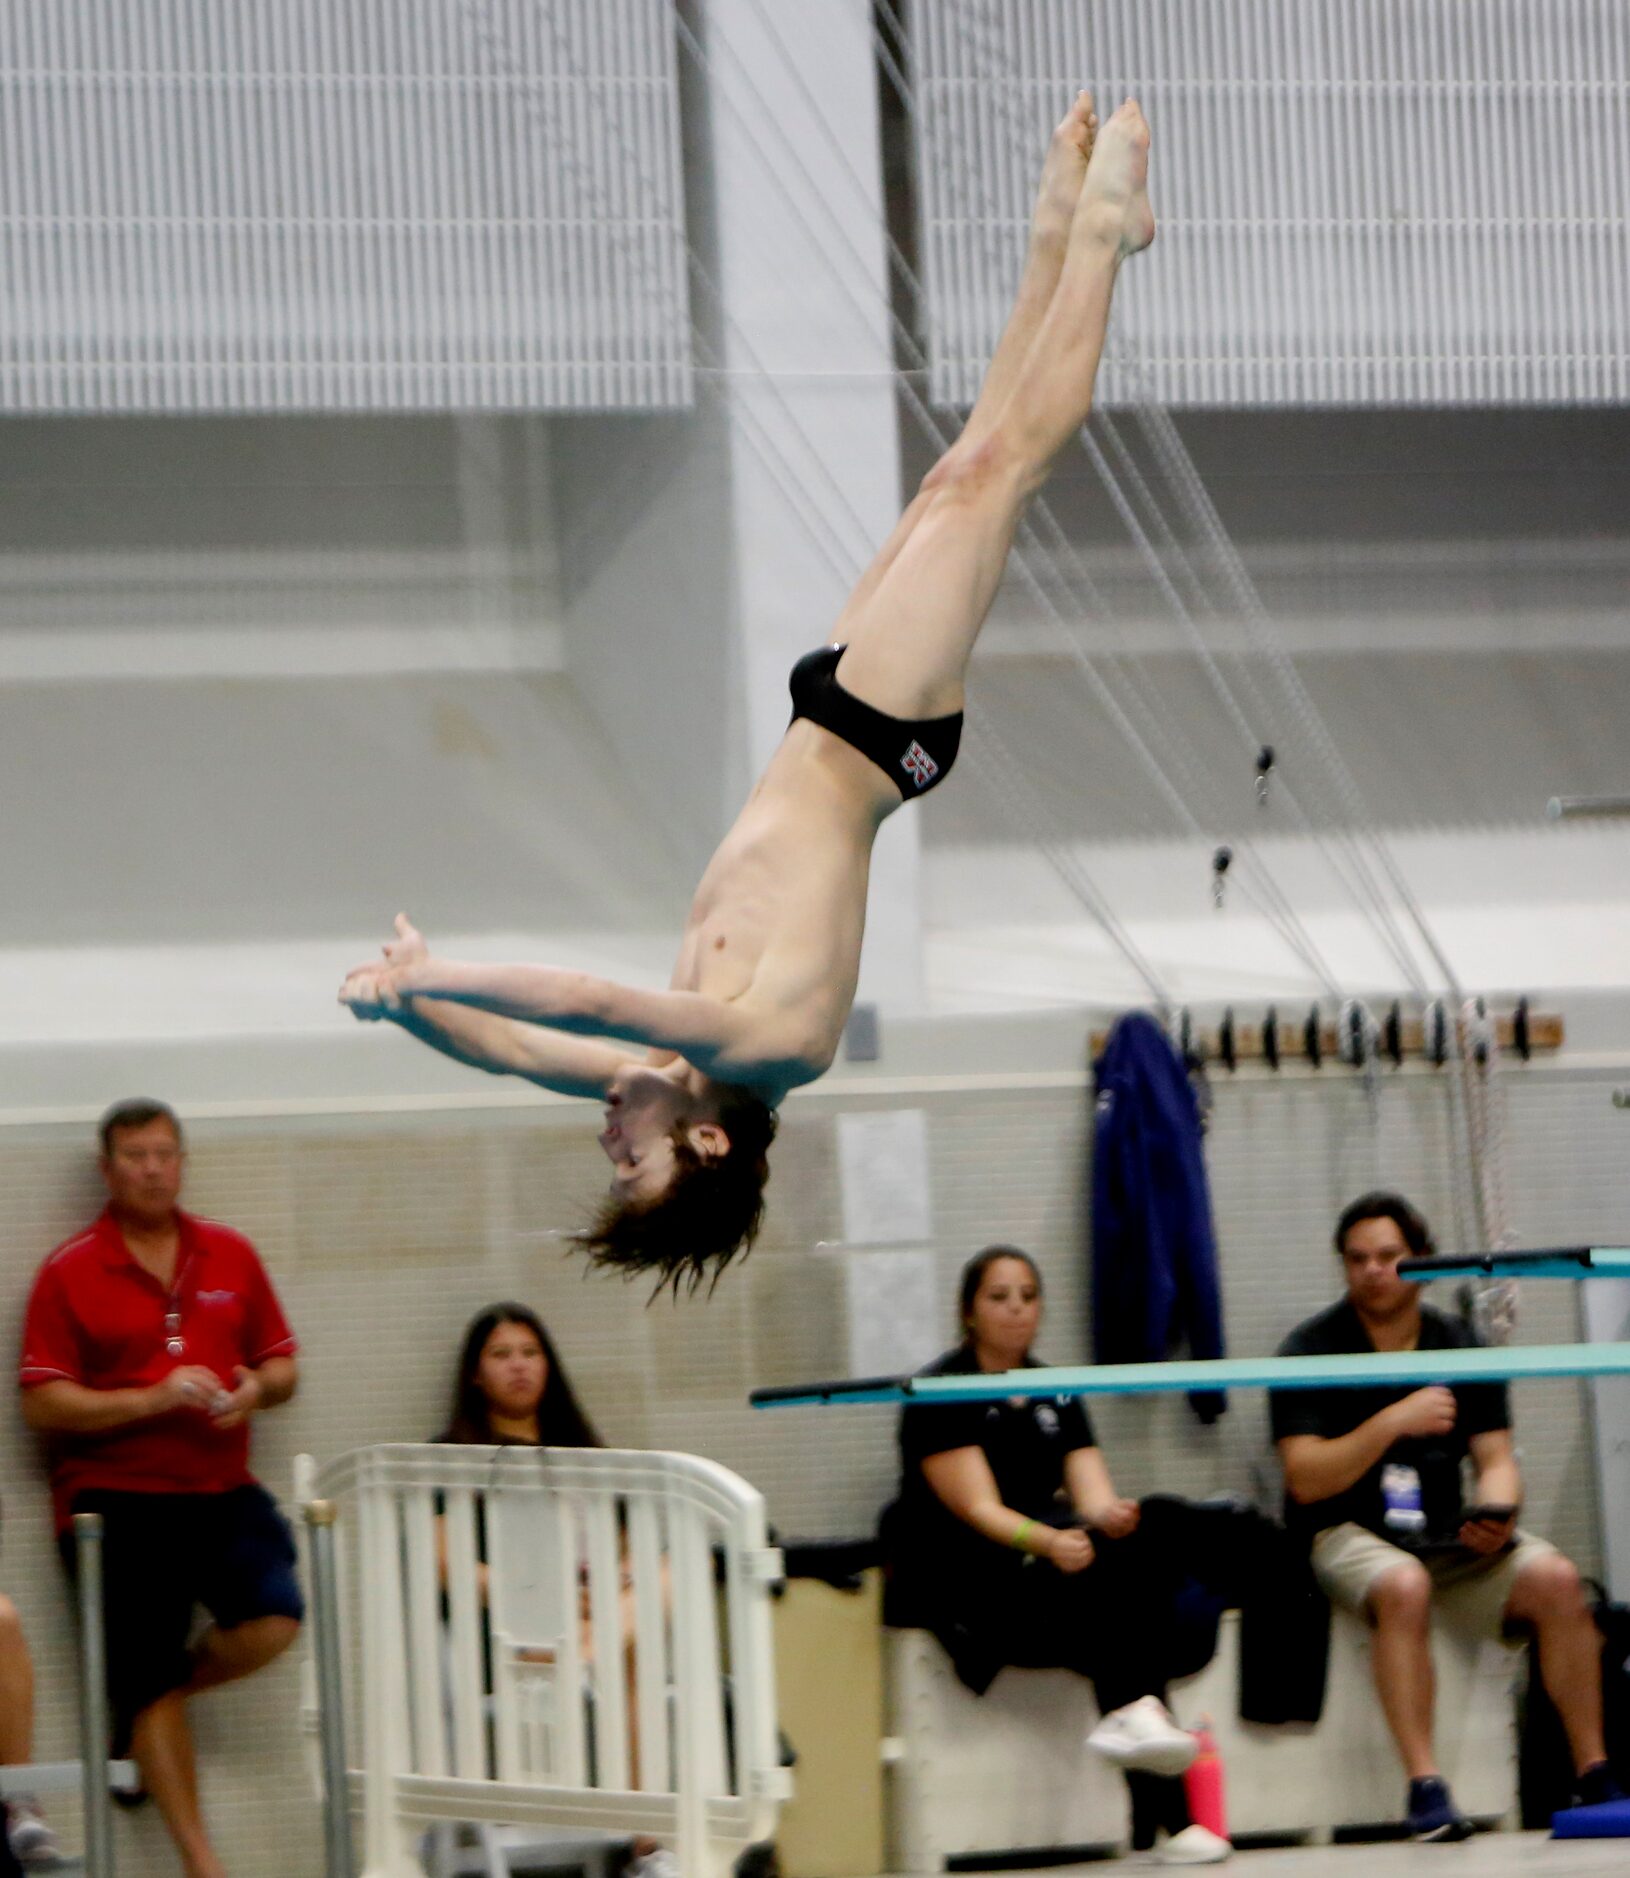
512 1387
512 1390
1010 1544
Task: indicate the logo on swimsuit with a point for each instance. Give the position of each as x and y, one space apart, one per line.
919 765
1047 1418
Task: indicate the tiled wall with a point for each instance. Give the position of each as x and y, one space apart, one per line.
385 1237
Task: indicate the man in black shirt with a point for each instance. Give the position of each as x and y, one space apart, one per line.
1373 1476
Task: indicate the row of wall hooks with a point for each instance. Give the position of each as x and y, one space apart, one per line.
1357 1038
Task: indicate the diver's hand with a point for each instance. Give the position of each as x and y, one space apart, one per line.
373 990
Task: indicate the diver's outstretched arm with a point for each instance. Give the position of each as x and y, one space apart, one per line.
730 1041
573 1066
501 1046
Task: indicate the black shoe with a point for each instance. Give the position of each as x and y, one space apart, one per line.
1433 1816
1597 1787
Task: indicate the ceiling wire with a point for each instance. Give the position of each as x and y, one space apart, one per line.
1185 479
1360 849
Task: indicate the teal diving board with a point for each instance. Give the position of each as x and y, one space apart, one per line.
1582 1261
1379 1368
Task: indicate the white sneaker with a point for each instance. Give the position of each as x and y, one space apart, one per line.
1194 1845
1143 1738
33 1843
657 1863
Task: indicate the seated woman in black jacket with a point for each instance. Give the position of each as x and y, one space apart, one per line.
1010 1544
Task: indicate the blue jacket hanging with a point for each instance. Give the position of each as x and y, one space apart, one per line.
1154 1251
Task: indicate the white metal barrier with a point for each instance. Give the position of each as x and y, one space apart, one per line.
566 1637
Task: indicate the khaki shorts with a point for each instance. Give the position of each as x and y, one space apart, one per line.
1472 1594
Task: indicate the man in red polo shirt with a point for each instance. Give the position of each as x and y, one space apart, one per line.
151 1338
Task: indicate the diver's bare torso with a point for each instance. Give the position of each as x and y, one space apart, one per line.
776 923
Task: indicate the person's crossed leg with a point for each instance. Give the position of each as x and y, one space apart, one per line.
165 1555
161 1739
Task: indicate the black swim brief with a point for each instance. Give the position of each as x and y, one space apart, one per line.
913 754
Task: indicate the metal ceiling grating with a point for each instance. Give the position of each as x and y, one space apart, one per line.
225 205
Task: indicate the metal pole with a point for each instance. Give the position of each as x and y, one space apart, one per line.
325 1614
1570 808
93 1699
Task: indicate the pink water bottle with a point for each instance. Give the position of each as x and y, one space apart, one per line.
1203 1784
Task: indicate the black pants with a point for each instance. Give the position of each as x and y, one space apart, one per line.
9 1868
1108 1623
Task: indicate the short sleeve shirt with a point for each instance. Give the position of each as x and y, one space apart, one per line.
1025 1441
98 1318
1480 1408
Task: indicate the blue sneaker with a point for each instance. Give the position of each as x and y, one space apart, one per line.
1433 1816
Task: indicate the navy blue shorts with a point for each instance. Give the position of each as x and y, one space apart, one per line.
163 1555
914 753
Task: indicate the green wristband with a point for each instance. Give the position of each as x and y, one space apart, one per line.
1020 1532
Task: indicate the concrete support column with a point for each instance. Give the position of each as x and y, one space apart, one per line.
803 332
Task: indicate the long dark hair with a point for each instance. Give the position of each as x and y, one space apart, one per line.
973 1276
561 1421
711 1212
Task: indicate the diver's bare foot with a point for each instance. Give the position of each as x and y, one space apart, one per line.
1115 197
1062 176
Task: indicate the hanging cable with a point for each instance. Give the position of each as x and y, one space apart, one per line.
1492 1303
1179 467
1359 850
1371 903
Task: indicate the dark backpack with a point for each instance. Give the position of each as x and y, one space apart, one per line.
1545 1766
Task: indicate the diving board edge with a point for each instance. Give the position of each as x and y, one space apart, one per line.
1373 1369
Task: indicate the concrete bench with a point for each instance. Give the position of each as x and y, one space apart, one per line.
1010 1770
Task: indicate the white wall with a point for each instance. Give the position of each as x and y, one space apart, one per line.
385 1233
